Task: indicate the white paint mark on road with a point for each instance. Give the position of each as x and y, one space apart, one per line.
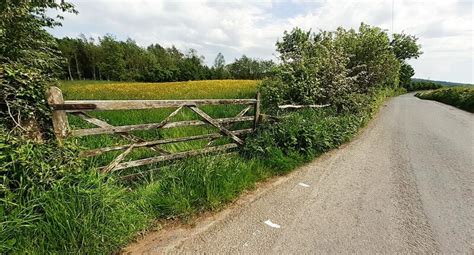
271 224
303 185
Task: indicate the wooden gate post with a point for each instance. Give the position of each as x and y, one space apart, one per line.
257 111
60 122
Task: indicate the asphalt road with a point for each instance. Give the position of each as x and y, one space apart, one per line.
404 185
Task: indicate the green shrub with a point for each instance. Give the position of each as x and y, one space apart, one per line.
21 86
460 97
305 133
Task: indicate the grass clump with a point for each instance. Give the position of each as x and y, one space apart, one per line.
89 216
199 184
460 97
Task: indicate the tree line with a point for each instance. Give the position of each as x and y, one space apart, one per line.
110 59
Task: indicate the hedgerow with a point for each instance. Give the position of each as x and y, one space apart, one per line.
460 97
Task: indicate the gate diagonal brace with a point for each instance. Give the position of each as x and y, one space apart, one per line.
127 136
214 123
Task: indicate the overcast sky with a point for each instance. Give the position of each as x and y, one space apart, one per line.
444 27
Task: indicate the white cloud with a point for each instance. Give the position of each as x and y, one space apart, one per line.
252 27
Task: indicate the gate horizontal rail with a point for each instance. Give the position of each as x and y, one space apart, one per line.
105 105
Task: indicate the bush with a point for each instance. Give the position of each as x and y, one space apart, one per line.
23 95
460 97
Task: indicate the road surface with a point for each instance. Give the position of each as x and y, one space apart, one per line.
404 185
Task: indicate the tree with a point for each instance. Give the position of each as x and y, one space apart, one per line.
191 67
112 64
295 46
331 67
219 69
68 49
406 72
248 68
371 60
92 54
135 61
112 59
405 47
219 62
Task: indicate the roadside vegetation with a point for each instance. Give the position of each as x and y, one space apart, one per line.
460 97
55 202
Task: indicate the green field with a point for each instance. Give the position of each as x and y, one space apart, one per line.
174 90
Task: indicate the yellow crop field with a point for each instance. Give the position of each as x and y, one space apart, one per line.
165 90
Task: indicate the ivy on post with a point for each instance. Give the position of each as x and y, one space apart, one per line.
59 117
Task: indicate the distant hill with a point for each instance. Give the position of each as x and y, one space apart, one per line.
444 83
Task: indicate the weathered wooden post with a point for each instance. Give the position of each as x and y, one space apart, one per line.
257 111
60 122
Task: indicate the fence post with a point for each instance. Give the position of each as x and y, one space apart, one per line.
257 111
60 122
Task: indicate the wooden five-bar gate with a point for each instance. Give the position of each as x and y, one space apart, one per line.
81 107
